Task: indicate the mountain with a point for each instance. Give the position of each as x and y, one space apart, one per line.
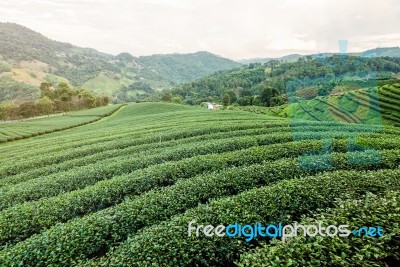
28 58
244 86
382 52
376 52
287 58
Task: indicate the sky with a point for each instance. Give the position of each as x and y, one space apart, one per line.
237 29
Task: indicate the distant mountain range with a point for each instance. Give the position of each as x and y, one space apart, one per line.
376 52
28 58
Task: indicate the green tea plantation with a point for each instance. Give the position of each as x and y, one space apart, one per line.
119 186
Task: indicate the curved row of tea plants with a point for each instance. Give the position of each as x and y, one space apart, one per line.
382 211
12 131
283 202
89 195
74 162
90 234
40 158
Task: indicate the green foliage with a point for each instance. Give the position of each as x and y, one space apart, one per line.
177 100
281 202
267 94
120 191
45 105
166 97
226 100
367 105
365 251
282 77
10 131
12 90
52 100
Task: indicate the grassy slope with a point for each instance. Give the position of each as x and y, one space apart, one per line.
102 84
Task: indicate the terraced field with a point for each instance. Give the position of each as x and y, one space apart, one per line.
121 191
368 106
10 131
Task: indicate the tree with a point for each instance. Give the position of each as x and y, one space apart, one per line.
177 100
45 106
167 97
267 94
245 101
277 101
87 99
246 92
102 101
6 111
27 109
226 99
46 90
64 92
232 96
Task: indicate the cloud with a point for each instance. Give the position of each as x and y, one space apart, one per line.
231 28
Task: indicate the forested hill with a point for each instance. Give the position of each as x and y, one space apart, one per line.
266 84
376 52
28 58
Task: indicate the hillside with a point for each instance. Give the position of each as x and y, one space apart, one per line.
371 106
119 191
28 57
376 52
367 105
268 84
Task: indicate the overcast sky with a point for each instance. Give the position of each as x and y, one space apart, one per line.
231 28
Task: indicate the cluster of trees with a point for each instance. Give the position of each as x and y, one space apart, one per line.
167 97
267 96
164 96
53 100
134 92
267 84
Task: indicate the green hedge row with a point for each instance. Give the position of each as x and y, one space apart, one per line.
81 177
374 100
388 94
123 128
105 134
123 148
64 244
21 221
36 132
69 164
168 244
373 210
39 158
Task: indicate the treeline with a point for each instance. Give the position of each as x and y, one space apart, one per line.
53 100
134 92
266 84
